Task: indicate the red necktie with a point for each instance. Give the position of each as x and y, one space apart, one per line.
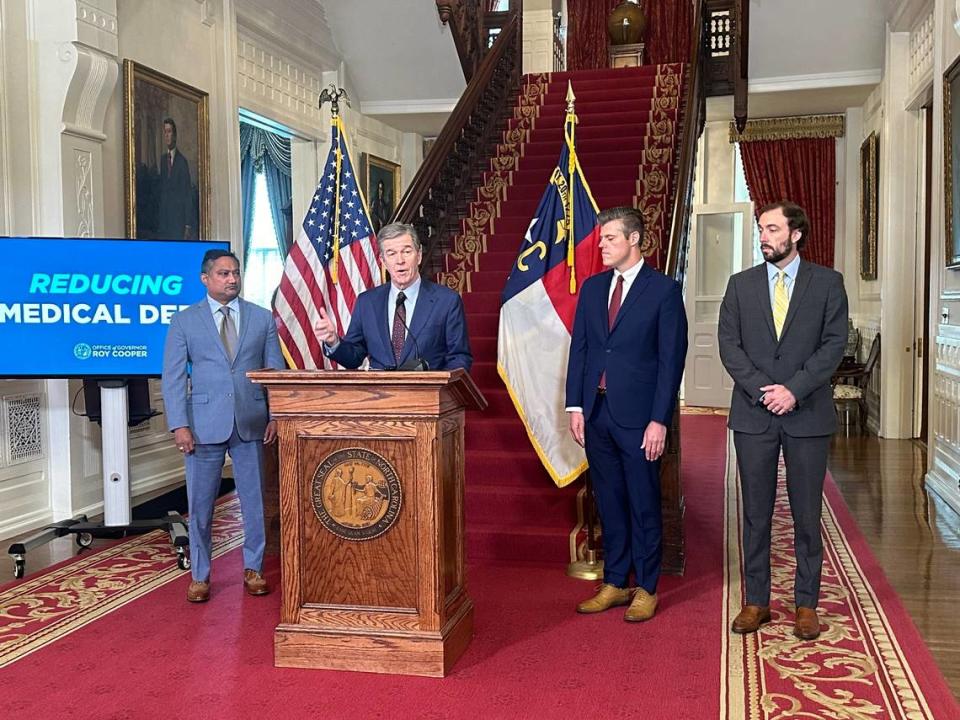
169 164
399 327
612 311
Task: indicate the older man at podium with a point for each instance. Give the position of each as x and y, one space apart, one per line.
409 323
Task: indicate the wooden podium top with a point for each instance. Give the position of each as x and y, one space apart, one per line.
295 392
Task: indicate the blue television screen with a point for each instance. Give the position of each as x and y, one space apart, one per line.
82 307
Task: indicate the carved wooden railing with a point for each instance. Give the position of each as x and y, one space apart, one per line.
693 123
438 196
694 112
465 20
725 43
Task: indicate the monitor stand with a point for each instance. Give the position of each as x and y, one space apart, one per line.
117 519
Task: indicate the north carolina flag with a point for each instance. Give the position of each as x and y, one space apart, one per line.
559 252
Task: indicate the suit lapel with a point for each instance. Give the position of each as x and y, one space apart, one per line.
421 313
640 283
603 290
384 312
800 286
245 316
762 288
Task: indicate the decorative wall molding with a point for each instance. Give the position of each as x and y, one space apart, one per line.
945 417
85 199
921 53
89 92
268 78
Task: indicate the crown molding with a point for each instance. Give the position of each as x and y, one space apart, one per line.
408 107
788 83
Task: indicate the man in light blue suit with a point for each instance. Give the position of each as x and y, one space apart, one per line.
409 323
212 408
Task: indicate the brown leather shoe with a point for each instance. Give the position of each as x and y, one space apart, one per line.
255 583
608 597
198 591
642 608
750 619
807 625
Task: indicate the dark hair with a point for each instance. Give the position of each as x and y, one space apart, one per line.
169 121
796 218
211 256
630 218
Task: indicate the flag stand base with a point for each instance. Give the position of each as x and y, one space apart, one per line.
585 559
590 568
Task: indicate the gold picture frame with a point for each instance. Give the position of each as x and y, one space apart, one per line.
166 190
869 200
951 163
381 188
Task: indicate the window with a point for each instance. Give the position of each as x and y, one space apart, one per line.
264 267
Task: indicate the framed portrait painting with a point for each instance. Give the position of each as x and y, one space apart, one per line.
166 156
381 188
951 163
869 199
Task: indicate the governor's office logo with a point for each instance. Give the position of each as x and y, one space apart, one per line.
82 351
356 494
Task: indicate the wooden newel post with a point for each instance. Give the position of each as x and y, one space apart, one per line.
371 519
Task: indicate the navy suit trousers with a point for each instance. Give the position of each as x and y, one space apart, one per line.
627 490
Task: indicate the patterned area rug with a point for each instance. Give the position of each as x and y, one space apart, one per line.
39 611
868 663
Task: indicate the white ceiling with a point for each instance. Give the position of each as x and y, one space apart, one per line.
815 37
401 60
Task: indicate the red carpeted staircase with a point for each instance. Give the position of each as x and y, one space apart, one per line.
626 141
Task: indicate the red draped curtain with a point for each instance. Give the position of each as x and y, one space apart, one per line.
669 27
803 171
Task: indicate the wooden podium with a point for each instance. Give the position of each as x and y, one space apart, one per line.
371 519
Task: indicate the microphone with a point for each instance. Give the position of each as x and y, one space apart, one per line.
416 363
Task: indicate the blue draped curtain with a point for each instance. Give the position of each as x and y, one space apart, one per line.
269 153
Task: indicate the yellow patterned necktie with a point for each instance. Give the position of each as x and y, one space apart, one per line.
781 302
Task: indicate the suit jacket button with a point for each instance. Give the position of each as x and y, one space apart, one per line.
776 357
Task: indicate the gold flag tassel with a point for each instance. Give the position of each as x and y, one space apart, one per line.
569 130
337 125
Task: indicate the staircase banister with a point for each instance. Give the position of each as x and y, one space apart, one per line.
692 127
419 188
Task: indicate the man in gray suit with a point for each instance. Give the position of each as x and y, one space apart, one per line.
783 327
212 408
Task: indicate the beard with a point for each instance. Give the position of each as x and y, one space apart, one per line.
777 254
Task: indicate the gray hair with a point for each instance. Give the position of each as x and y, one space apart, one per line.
395 230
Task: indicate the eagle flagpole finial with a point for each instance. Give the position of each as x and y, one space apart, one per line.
332 95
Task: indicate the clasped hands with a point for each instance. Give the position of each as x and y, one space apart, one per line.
778 399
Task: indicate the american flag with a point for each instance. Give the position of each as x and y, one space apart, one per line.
333 260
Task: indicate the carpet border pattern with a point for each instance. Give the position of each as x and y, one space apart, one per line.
44 609
856 669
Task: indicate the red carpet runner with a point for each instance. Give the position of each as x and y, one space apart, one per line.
869 661
532 656
626 142
143 652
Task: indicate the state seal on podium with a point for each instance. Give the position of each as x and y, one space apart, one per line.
356 494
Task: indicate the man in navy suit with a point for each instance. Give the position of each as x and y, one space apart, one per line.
212 408
404 324
626 359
